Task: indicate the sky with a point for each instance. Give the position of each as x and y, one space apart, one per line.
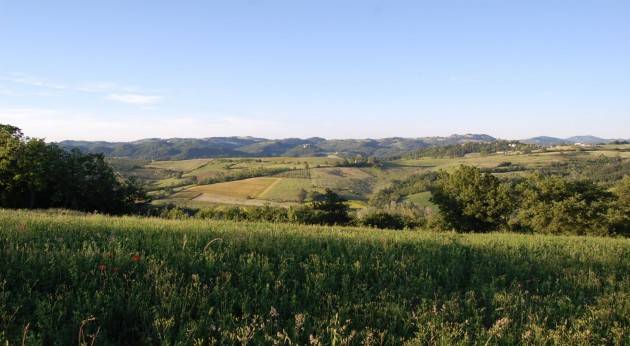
122 70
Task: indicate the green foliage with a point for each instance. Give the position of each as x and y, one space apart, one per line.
619 214
187 148
331 208
327 209
471 201
67 279
359 161
34 174
384 220
394 193
551 204
460 150
604 170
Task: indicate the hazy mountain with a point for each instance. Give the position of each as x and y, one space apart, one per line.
544 140
547 141
587 139
188 148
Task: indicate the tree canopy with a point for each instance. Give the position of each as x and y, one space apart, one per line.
35 174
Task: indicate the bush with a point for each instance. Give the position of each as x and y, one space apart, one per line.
384 220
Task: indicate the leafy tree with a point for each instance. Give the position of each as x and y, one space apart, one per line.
554 205
471 201
34 174
620 211
384 220
332 208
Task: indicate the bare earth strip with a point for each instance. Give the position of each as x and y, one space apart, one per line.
269 187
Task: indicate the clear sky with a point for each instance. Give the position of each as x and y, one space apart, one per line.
123 70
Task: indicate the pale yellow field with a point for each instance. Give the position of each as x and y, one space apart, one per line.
246 188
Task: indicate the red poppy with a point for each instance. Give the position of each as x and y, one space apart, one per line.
135 258
102 267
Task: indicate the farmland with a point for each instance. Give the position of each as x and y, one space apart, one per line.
81 278
197 182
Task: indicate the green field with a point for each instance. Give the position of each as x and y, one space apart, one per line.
80 279
169 178
421 199
287 190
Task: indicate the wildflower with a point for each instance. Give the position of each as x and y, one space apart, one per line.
101 267
299 321
135 258
499 326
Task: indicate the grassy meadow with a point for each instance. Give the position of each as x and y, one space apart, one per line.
90 279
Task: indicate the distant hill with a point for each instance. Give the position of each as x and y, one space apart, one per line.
544 140
548 141
588 139
190 148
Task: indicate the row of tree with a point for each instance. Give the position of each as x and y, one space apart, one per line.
472 201
326 208
36 174
484 148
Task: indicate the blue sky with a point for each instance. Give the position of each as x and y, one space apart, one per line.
124 70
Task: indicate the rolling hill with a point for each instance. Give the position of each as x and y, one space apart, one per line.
548 141
191 148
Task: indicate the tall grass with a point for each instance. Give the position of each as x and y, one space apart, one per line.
68 279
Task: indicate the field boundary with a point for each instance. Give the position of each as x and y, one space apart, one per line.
268 188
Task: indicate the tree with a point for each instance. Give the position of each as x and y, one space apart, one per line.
554 205
384 220
332 208
471 201
619 214
34 174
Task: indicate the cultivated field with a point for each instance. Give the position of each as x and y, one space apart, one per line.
71 279
246 188
172 179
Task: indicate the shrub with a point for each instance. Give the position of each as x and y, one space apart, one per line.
384 220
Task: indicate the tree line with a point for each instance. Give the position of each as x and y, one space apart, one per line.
472 201
36 174
460 150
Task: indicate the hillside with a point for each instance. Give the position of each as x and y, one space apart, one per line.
549 141
190 148
108 280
